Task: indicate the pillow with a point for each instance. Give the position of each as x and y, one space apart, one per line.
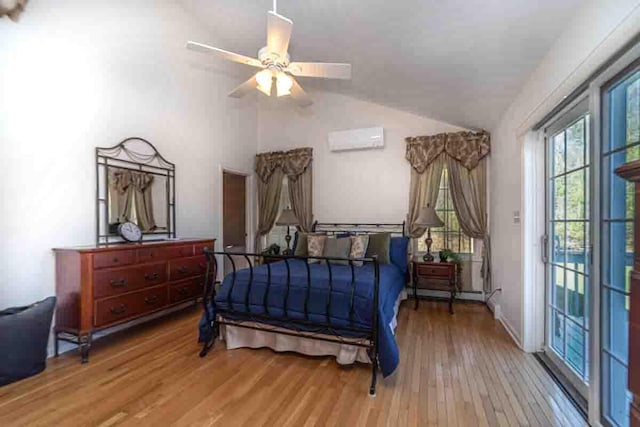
359 246
379 245
300 244
337 247
398 247
315 246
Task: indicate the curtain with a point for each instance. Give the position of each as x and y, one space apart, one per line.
271 168
301 196
120 196
144 204
268 204
468 190
424 190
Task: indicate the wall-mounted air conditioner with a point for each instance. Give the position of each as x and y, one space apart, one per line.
356 139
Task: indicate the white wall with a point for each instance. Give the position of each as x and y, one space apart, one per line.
79 74
597 31
350 186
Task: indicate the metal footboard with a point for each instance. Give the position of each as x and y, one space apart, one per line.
306 327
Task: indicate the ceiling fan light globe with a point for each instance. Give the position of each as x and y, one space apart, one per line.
265 81
284 83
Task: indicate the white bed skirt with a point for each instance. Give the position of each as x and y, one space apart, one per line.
345 353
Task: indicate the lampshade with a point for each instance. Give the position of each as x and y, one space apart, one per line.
287 217
284 83
265 81
429 218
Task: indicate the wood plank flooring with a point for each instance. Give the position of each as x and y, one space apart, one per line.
460 370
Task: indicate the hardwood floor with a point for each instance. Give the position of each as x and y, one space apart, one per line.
455 370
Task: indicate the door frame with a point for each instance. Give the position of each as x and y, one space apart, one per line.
568 114
249 211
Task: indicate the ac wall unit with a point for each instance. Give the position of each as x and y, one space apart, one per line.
356 139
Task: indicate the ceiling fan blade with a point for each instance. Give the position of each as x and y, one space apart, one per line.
244 88
278 34
224 54
320 69
299 95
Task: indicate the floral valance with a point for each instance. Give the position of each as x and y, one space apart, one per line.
293 162
466 147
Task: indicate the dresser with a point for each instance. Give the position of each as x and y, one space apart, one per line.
102 286
631 172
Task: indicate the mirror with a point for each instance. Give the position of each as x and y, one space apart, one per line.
134 183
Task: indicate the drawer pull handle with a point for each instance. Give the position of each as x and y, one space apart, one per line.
118 310
119 283
152 300
150 277
183 270
183 291
115 259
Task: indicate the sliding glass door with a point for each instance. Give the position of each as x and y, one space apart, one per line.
568 245
621 144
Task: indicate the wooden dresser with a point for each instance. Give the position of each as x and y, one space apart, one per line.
102 286
631 172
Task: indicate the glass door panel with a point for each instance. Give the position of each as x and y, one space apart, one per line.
621 144
568 230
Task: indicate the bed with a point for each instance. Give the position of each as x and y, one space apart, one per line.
310 304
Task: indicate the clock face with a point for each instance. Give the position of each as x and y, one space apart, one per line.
130 232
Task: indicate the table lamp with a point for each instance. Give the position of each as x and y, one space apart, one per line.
288 218
428 218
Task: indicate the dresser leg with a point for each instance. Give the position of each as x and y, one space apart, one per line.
415 294
453 295
84 342
56 346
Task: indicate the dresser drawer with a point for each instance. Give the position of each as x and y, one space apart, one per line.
178 251
118 281
435 271
152 254
186 290
114 258
187 267
120 308
199 248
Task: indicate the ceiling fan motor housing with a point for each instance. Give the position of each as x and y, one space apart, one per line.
270 58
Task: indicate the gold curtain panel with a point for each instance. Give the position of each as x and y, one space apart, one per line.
468 148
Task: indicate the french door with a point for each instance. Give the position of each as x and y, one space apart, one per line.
568 245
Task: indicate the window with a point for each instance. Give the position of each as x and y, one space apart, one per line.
278 232
621 144
450 236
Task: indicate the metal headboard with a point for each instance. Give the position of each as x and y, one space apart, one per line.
359 228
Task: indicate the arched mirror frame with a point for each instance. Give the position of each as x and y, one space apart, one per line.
139 155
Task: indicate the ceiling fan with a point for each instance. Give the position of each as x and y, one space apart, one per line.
276 65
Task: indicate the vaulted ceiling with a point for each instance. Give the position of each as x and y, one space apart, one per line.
461 61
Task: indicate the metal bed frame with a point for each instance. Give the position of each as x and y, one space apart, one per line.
306 328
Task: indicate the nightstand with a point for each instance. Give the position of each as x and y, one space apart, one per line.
440 276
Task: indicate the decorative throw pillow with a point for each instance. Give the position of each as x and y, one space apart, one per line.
359 246
379 246
300 245
315 246
337 247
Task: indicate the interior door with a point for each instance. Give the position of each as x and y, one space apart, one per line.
234 216
568 245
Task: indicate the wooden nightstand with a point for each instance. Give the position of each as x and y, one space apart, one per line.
440 276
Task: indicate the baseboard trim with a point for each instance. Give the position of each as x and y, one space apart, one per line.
511 332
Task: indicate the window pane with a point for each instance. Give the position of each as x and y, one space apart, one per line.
575 296
615 337
620 255
557 332
576 201
575 347
633 111
615 395
575 145
558 154
559 243
558 198
558 287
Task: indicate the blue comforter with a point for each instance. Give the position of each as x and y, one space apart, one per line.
391 284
